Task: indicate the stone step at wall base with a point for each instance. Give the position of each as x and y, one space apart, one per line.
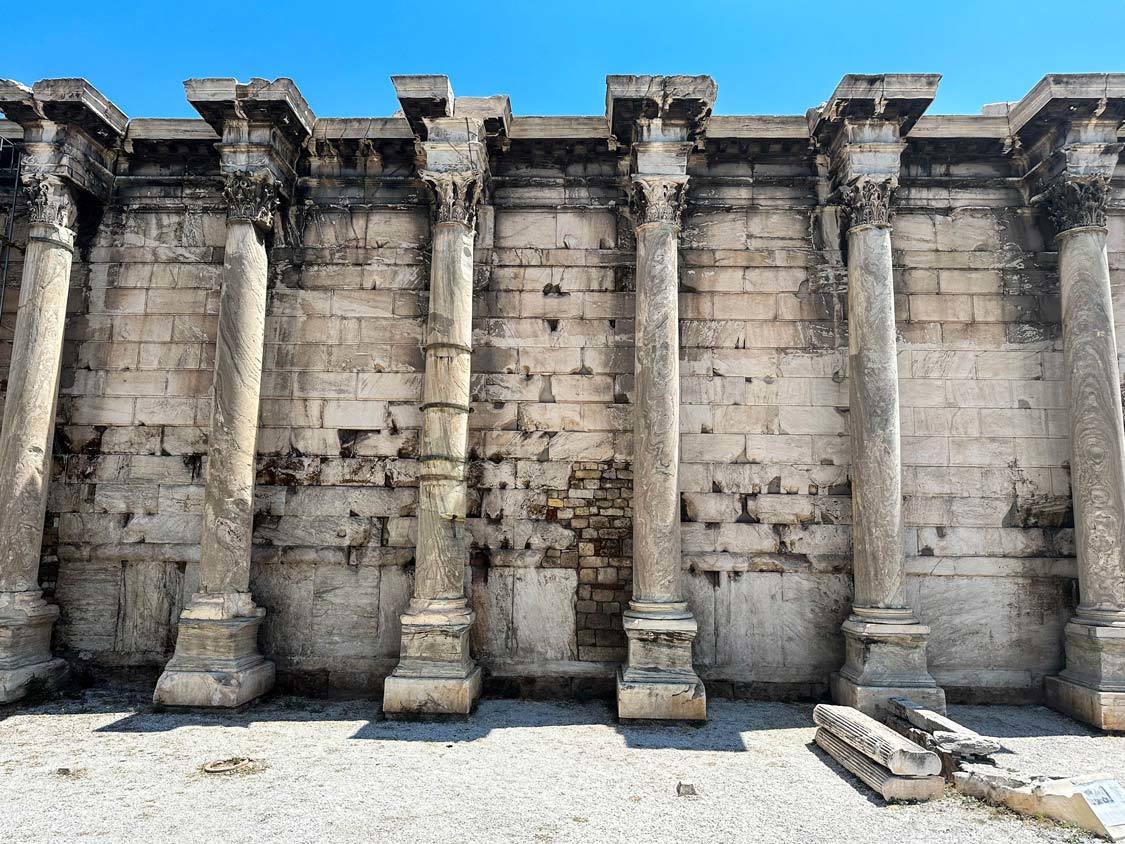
868 699
410 696
16 683
1104 710
890 787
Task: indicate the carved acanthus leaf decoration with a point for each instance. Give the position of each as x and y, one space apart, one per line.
1076 201
253 197
48 200
868 202
658 199
455 194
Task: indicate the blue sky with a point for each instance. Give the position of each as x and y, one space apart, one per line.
768 58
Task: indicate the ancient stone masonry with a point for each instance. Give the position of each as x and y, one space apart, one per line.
657 398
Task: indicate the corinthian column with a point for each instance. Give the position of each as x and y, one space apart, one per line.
860 132
1092 687
436 674
658 681
70 140
884 643
217 662
25 440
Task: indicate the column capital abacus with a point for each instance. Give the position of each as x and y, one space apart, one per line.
867 201
1077 201
658 199
454 194
252 197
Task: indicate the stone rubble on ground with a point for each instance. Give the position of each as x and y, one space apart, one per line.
896 767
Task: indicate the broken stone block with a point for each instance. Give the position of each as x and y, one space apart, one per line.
1095 802
890 787
877 741
948 736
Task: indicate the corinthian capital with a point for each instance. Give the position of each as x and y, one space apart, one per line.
252 197
454 194
1076 201
868 202
49 201
658 199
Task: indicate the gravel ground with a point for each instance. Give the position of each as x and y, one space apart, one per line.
104 767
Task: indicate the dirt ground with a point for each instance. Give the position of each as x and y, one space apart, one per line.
102 766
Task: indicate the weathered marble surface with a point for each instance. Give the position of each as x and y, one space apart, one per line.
657 680
29 408
26 437
436 674
656 496
217 662
1092 687
231 443
1097 435
878 565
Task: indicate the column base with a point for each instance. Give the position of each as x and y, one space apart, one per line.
15 683
26 621
1104 710
885 660
216 664
658 682
429 697
436 676
1092 688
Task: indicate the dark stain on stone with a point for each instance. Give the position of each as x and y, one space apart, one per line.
194 462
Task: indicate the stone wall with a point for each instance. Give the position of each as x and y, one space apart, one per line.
765 456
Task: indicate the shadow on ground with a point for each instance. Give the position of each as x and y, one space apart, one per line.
1019 722
723 732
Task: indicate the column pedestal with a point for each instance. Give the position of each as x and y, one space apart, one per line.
658 680
885 660
25 645
1092 688
216 663
436 674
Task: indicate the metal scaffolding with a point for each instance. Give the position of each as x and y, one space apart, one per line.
10 154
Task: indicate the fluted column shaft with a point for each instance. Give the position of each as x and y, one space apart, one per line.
442 552
656 498
878 567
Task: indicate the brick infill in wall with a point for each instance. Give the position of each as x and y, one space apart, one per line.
598 507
